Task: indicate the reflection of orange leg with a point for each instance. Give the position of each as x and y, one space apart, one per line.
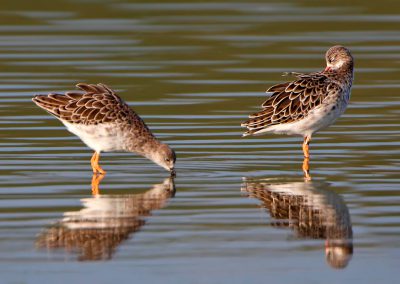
95 164
306 143
96 179
326 247
306 161
306 169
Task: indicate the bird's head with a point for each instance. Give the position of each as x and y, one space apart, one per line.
338 253
338 58
165 157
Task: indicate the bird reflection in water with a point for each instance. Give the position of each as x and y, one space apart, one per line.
95 231
311 211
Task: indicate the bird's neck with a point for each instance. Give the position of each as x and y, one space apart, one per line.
343 75
144 145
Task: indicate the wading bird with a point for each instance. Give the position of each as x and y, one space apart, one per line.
105 123
309 103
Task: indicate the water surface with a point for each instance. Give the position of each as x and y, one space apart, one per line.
238 209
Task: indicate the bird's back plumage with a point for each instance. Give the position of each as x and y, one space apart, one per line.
97 104
98 116
291 101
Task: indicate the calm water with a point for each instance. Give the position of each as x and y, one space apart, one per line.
238 209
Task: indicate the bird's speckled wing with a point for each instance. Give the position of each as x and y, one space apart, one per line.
291 101
97 104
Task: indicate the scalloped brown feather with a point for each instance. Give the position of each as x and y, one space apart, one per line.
97 104
291 101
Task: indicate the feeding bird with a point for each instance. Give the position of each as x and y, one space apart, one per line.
105 123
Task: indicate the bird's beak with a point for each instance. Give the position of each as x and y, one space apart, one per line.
327 68
173 172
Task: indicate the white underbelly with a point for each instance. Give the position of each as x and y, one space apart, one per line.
100 137
317 119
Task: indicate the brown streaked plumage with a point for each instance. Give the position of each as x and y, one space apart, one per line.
289 102
105 122
309 103
311 210
97 104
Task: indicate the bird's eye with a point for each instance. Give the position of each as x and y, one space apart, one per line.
167 159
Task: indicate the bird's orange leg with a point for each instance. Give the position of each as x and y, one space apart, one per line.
95 164
306 161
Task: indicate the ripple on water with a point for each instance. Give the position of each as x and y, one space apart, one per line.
194 79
